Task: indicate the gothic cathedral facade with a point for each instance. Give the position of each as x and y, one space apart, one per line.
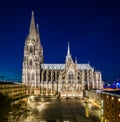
66 80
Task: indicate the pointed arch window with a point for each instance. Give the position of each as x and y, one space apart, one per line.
31 49
71 75
30 63
28 77
33 76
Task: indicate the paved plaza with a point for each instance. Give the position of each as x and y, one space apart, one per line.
61 110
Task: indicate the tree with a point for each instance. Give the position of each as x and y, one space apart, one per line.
19 111
12 112
5 107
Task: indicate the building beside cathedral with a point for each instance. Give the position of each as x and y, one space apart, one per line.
67 80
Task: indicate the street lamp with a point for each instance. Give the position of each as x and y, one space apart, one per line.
86 107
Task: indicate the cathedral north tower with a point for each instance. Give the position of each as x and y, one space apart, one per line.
33 56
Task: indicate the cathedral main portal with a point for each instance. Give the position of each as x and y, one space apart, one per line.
71 94
71 90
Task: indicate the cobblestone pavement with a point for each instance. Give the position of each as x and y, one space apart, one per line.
62 110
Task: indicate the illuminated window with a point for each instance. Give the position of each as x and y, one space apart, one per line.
112 98
102 103
119 99
70 76
102 112
119 115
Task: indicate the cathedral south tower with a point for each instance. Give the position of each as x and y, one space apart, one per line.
33 56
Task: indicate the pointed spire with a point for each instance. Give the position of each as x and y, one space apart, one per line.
38 33
38 28
76 60
68 57
39 38
32 23
88 62
68 51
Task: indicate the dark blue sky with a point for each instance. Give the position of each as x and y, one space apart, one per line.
92 28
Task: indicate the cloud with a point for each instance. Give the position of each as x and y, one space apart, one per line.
2 77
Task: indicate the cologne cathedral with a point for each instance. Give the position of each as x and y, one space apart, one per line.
70 79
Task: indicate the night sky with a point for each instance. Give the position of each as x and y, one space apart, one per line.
92 28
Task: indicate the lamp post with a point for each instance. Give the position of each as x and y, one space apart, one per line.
29 114
86 107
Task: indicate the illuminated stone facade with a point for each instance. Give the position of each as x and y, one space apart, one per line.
15 91
110 106
69 79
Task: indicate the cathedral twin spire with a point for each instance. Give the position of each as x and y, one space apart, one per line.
33 38
33 30
32 23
